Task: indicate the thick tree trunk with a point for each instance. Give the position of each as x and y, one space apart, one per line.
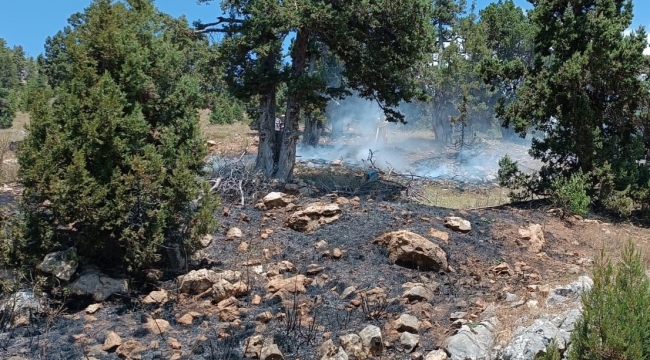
311 134
268 144
290 134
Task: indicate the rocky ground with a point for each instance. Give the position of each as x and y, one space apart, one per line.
333 277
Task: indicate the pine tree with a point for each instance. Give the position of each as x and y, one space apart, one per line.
113 164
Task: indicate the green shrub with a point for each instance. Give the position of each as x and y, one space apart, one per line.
571 194
113 165
615 322
226 111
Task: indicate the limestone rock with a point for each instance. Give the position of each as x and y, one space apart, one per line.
472 343
156 297
570 292
352 345
312 217
412 250
100 286
534 340
409 341
158 326
436 355
408 323
61 264
294 284
534 235
234 233
112 341
130 349
458 224
372 340
277 199
271 352
329 351
418 293
253 346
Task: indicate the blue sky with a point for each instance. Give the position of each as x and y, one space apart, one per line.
29 23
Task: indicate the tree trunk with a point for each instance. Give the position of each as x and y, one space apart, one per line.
311 134
287 158
267 147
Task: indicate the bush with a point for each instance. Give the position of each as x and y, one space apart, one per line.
615 322
571 194
226 111
113 165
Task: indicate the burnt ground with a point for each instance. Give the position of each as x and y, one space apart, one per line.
300 323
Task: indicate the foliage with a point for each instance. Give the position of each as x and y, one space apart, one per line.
226 110
585 92
113 164
571 194
16 72
615 320
522 186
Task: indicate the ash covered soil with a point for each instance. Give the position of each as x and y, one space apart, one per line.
349 283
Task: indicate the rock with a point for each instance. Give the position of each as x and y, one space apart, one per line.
93 308
206 240
535 237
294 284
256 300
253 346
503 269
436 355
458 224
371 340
158 326
271 352
534 340
442 235
130 349
472 343
350 290
186 319
22 303
320 244
418 293
243 247
329 351
314 269
198 281
337 253
458 315
312 217
156 297
222 289
174 343
234 233
414 251
277 199
61 264
408 323
409 341
92 282
228 309
112 341
352 345
570 292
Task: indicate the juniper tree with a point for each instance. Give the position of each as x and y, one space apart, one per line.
377 41
113 164
587 90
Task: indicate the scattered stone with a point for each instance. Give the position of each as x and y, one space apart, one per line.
186 319
312 217
61 264
256 300
329 351
320 244
271 352
294 284
100 286
472 343
418 293
503 269
156 297
371 340
534 340
570 292
112 342
264 317
458 224
93 308
243 247
234 233
253 346
158 326
174 343
350 290
436 355
412 250
408 323
535 237
130 349
352 345
337 253
457 315
277 199
442 235
409 341
314 269
206 240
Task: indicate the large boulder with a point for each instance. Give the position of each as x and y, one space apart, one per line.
199 281
472 343
531 342
98 285
313 216
414 251
61 264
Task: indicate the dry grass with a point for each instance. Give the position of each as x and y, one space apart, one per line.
450 195
231 139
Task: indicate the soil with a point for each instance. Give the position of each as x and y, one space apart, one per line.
470 286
